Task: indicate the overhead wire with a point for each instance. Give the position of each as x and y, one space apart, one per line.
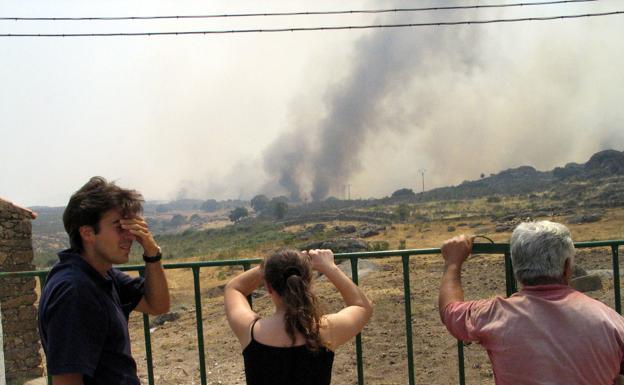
322 28
300 13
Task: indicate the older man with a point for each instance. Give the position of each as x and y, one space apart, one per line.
547 333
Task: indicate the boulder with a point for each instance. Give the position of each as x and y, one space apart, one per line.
348 229
338 245
370 231
317 228
500 228
587 283
578 271
161 319
584 218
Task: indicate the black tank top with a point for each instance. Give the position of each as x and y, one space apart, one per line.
296 365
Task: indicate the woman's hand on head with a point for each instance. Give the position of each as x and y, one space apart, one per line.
321 259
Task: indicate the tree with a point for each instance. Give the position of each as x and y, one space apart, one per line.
238 213
403 211
404 193
178 220
162 208
259 203
209 206
279 207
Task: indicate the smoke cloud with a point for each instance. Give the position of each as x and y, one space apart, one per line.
464 99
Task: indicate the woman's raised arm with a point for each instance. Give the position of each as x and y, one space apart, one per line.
348 322
237 309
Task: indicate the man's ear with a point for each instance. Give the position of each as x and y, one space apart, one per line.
87 233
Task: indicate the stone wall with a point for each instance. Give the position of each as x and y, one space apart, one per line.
22 359
2 377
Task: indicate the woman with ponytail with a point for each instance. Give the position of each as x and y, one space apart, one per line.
296 344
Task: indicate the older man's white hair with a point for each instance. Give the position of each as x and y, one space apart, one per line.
539 250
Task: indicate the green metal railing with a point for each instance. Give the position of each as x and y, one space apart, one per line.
478 248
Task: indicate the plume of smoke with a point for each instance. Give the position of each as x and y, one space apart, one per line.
286 159
468 99
383 63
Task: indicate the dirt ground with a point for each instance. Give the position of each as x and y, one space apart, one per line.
174 344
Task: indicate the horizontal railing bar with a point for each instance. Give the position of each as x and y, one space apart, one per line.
580 245
17 274
477 248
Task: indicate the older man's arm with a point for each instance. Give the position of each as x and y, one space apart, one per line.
455 251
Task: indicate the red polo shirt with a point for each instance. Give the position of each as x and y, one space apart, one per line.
547 334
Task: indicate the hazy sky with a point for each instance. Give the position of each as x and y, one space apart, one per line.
305 113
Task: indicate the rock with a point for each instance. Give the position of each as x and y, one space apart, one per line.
366 233
348 229
584 218
213 292
370 231
338 245
604 273
586 283
450 229
161 319
317 228
578 271
503 227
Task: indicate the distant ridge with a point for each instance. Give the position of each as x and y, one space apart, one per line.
526 179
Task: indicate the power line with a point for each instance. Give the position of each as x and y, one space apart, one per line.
323 28
303 13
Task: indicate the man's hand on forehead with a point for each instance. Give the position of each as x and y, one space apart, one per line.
137 226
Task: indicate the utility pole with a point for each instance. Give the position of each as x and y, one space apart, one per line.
346 191
422 174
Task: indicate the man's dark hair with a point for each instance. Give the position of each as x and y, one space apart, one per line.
86 206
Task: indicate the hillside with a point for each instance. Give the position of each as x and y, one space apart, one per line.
196 228
604 169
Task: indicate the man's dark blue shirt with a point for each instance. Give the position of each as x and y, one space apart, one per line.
83 321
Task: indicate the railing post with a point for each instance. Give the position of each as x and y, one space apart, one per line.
408 318
358 338
148 349
200 326
510 280
616 278
460 362
148 344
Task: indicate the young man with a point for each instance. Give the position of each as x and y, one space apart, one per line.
85 304
547 333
